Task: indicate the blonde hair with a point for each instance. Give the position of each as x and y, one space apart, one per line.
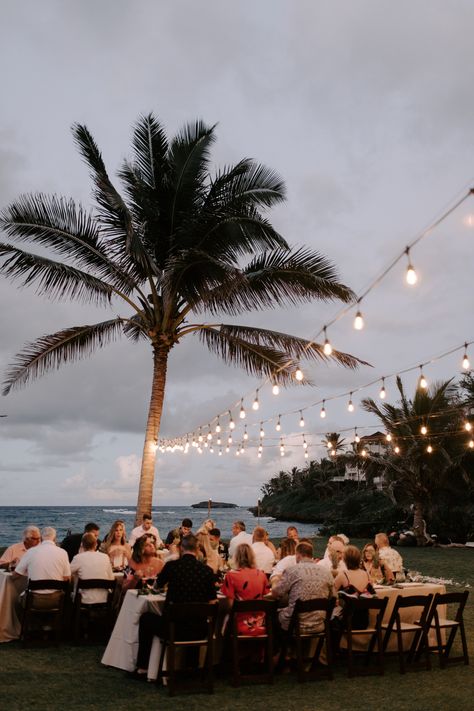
381 540
109 539
287 547
376 562
259 534
244 556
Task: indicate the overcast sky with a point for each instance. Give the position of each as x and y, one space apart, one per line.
367 111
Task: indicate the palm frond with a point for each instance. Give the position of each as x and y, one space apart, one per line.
275 279
247 183
114 216
150 147
294 347
258 360
135 328
189 156
52 351
53 279
65 228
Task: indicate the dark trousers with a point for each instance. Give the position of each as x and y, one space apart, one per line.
149 626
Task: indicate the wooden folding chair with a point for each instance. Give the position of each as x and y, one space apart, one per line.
85 613
352 606
437 623
237 639
177 616
395 624
303 637
42 607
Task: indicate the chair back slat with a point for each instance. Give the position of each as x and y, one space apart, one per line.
48 585
254 605
96 584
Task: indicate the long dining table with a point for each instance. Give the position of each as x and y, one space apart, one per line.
10 590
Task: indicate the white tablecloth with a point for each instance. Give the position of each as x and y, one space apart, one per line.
10 625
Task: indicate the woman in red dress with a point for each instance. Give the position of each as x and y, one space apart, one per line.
246 583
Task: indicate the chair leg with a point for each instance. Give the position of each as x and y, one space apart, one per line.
210 666
464 642
270 659
300 659
439 641
380 654
350 660
235 661
401 658
171 670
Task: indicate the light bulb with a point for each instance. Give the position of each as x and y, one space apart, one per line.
306 455
259 455
323 411
220 453
333 452
219 441
262 431
422 382
350 404
227 449
396 449
356 437
276 389
199 450
423 429
231 422
388 437
255 404
278 424
465 361
209 435
429 449
301 420
327 348
363 453
242 410
237 452
229 439
305 444
218 426
383 392
468 426
206 445
211 449
246 435
200 438
358 322
410 276
242 449
471 444
260 447
299 374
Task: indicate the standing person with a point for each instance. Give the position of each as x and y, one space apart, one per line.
264 556
177 534
389 556
116 546
72 543
45 562
14 553
246 582
188 580
304 581
146 527
91 564
239 536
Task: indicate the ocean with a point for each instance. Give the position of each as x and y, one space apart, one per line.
13 519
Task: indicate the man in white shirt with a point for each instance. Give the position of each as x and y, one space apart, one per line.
333 557
45 562
10 557
239 536
264 557
91 564
146 527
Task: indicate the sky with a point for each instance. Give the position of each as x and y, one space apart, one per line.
365 109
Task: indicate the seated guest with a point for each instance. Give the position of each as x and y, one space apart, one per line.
246 582
353 581
206 553
264 556
92 564
206 526
287 559
188 580
218 545
11 556
72 542
334 556
146 527
239 536
389 556
116 546
292 532
45 562
177 534
303 581
371 563
144 563
270 545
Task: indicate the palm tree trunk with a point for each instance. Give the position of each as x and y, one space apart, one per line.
419 525
147 475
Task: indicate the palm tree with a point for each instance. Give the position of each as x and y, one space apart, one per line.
172 250
427 465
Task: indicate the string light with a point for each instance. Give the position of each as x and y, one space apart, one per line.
219 441
229 439
278 424
411 277
255 404
327 348
423 429
356 436
305 444
276 389
350 404
333 452
227 449
246 434
220 453
242 410
396 449
260 448
388 437
262 431
299 374
231 421
323 411
383 392
200 438
242 448
301 419
306 455
363 453
429 449
471 444
282 448
422 382
218 426
209 434
467 426
465 361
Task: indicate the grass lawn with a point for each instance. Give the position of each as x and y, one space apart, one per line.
73 678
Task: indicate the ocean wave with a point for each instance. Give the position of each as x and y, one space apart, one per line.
118 511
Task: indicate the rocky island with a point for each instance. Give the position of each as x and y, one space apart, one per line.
214 505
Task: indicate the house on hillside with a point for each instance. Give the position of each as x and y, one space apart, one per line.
375 444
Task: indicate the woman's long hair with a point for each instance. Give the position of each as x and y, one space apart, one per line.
287 547
109 539
244 556
139 545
